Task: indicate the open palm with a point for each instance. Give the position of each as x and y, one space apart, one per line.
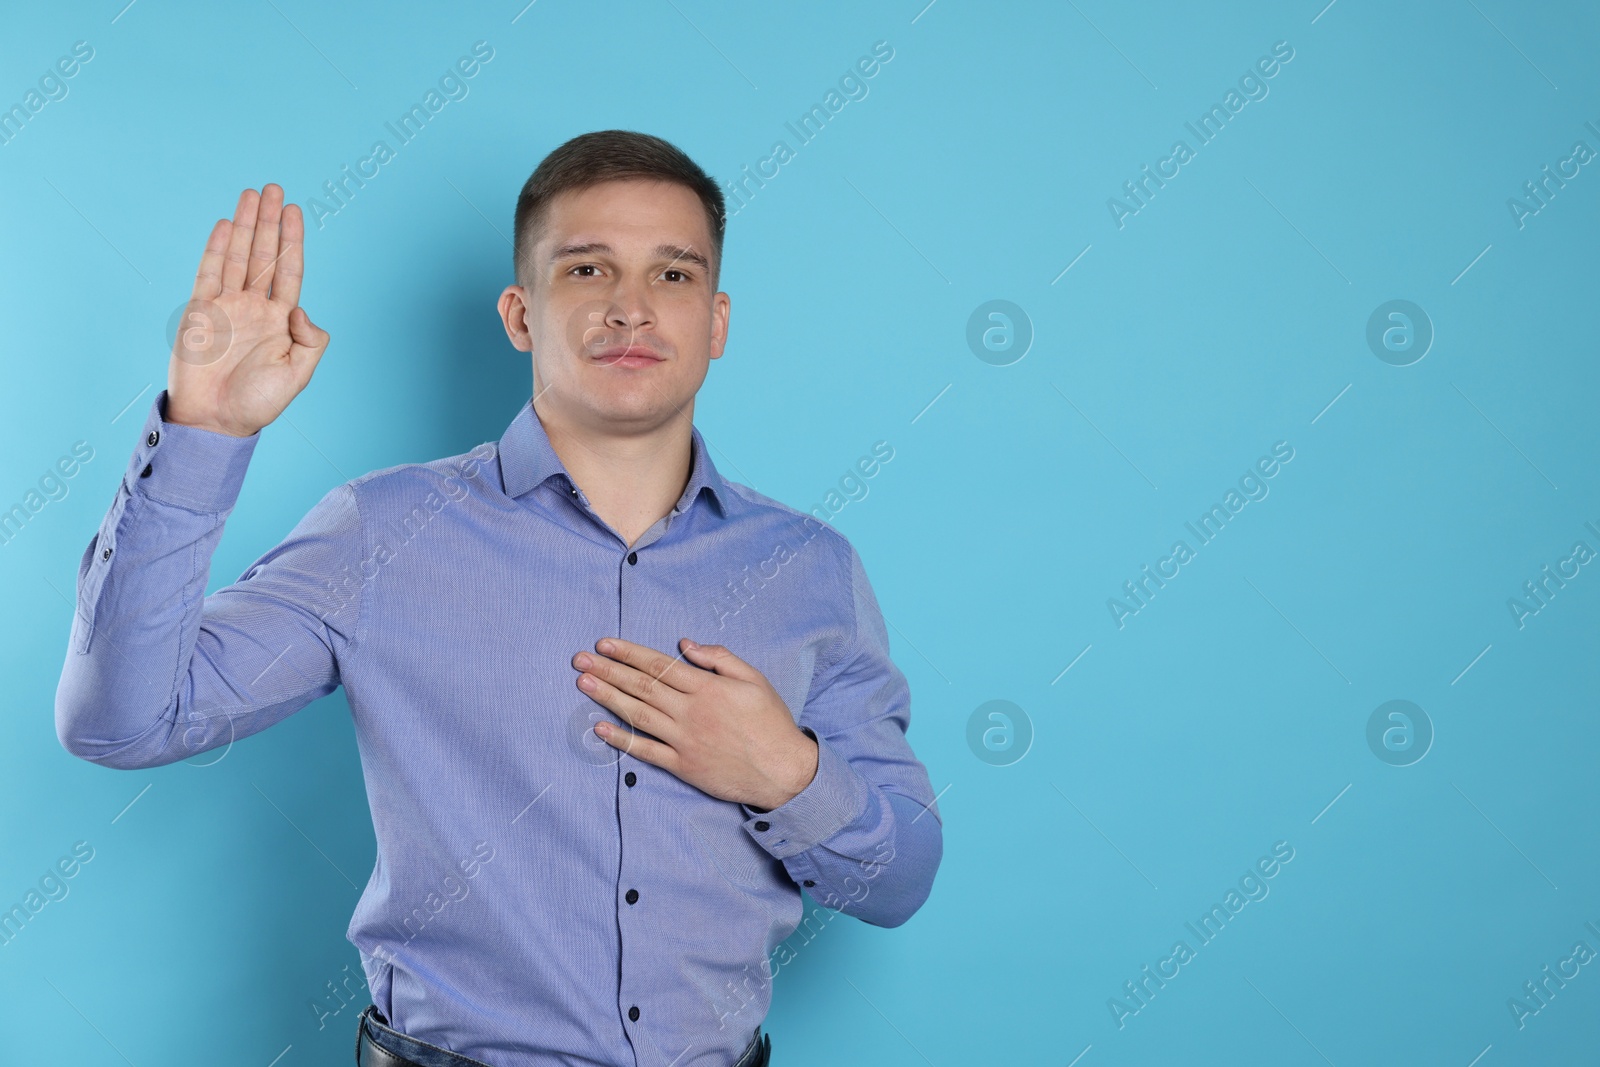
245 348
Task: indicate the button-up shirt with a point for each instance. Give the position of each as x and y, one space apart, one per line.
539 897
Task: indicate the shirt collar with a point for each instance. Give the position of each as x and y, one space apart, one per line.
527 461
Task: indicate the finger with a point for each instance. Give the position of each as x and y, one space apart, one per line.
291 261
208 279
629 709
637 745
719 659
635 683
309 341
668 670
237 258
264 247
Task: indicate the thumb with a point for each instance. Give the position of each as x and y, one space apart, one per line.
717 658
305 334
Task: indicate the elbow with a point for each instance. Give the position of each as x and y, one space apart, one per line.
118 757
74 733
931 851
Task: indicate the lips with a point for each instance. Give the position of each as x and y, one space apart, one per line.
627 356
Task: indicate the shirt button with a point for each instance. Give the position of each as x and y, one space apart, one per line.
762 826
633 557
808 883
632 897
630 778
633 1013
152 439
106 554
146 472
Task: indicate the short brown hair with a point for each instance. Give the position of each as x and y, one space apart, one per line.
609 155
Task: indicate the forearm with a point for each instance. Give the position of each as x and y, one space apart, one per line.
855 846
141 586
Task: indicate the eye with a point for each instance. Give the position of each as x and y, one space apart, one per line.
584 266
682 274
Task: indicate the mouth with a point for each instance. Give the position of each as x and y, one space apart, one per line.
627 356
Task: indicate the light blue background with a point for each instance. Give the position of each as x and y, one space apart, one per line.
1227 315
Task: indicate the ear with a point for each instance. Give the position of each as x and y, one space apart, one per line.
721 309
513 307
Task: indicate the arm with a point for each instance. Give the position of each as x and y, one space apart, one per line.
155 670
864 835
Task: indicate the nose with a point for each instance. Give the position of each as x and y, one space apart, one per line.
629 306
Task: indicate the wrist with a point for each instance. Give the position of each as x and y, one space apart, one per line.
801 769
174 416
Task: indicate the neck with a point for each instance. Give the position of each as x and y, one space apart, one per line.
631 477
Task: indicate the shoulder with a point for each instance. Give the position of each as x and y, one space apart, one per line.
805 527
451 476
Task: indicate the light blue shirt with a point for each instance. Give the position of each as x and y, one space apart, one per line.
539 897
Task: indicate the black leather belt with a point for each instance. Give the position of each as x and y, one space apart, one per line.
370 1054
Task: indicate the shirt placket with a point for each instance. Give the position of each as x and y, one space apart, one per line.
633 875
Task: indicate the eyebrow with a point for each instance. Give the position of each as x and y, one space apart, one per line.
673 251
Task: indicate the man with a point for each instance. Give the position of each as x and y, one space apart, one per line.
542 895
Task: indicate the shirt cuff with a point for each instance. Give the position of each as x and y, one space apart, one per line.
836 797
187 467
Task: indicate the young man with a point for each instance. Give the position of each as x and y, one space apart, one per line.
592 831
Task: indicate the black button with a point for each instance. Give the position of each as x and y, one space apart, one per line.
633 1013
630 778
762 826
632 897
106 554
808 882
152 439
633 557
146 472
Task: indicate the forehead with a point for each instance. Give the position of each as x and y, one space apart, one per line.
632 212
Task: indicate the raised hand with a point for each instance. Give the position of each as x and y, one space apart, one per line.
245 348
